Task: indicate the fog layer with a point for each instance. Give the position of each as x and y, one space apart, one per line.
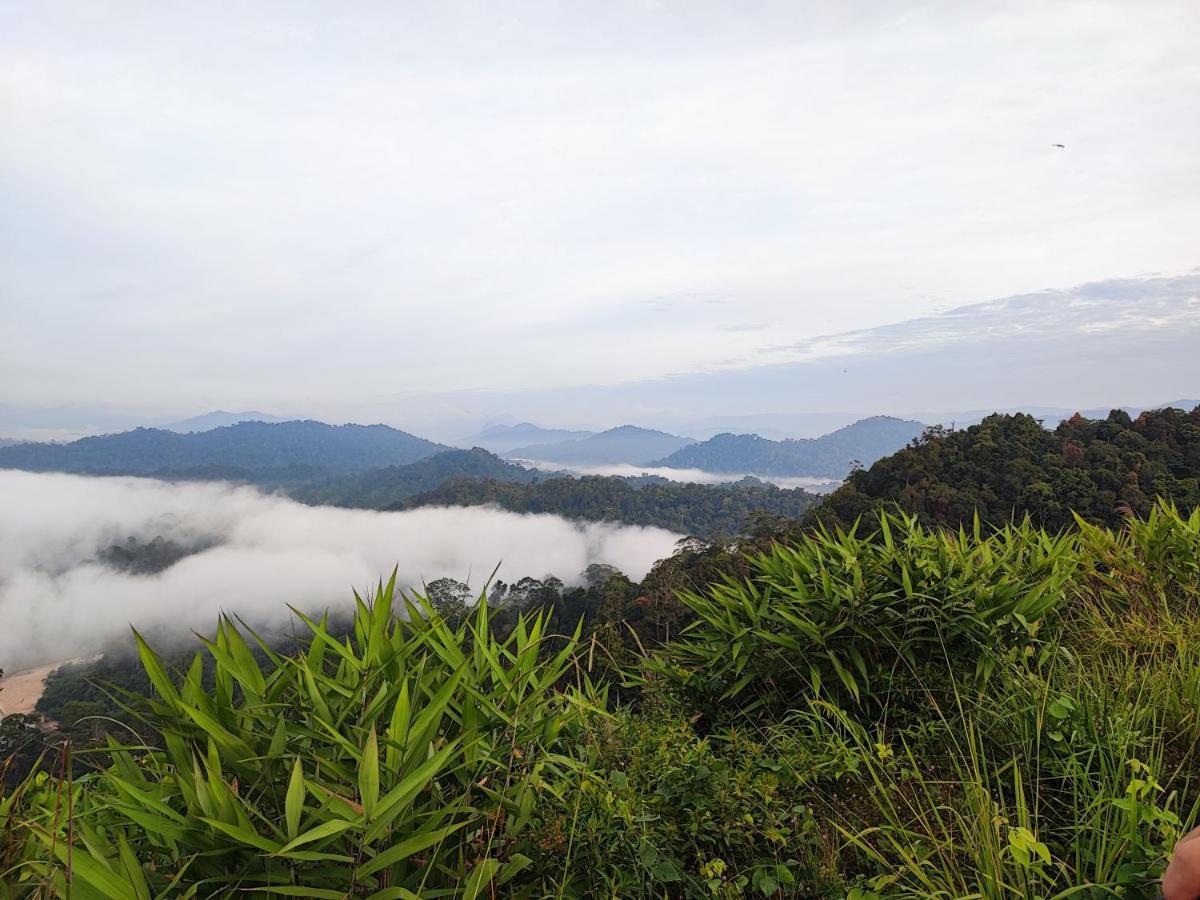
57 600
696 476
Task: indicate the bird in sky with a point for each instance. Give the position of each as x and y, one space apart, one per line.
1059 146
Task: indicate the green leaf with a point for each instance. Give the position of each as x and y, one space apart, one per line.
132 868
324 830
294 803
95 872
406 848
368 775
154 670
481 876
244 835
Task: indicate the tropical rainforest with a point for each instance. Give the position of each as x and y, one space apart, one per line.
974 671
1009 466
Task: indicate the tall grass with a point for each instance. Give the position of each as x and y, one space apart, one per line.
404 760
877 712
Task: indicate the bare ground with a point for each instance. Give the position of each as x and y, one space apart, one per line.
20 691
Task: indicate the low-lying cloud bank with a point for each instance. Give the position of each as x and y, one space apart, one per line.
697 476
57 600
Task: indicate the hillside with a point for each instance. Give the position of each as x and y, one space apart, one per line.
831 455
503 438
251 451
624 444
705 510
914 712
381 488
219 419
1009 466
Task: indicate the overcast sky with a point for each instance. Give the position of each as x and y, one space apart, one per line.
403 211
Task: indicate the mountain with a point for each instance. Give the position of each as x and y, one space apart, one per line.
9 442
831 455
219 419
624 444
778 426
258 452
381 488
1009 466
500 438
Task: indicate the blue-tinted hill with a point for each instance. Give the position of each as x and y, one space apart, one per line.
249 451
830 456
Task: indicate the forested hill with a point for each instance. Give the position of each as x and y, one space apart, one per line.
251 451
704 510
381 488
1009 465
624 444
831 455
504 438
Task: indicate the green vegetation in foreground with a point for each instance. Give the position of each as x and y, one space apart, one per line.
901 713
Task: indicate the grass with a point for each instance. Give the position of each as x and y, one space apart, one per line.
896 712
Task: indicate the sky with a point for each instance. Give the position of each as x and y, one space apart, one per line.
435 214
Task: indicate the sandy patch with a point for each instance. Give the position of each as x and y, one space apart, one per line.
20 691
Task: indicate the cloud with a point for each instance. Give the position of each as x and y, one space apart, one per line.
386 192
1131 306
692 476
57 601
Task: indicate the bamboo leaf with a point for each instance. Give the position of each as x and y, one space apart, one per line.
406 848
368 775
294 802
95 872
324 830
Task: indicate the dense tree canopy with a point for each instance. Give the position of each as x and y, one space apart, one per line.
706 510
381 488
1009 466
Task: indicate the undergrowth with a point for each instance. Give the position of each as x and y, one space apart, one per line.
877 712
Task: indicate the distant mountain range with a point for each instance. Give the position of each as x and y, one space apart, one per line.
624 444
830 456
778 426
503 438
220 419
251 451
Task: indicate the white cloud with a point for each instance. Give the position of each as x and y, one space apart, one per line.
57 601
296 206
692 476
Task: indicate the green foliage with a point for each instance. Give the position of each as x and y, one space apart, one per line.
899 712
1009 466
856 618
404 760
662 809
709 511
381 488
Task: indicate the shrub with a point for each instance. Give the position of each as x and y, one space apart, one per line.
869 619
402 761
